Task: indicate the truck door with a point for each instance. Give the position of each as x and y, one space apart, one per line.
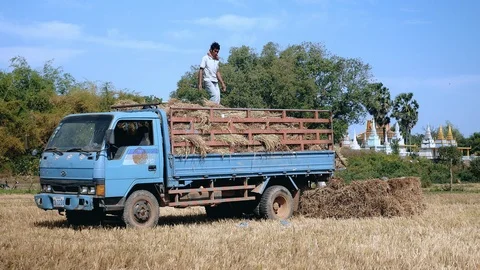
136 156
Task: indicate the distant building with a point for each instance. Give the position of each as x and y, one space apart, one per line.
370 139
428 149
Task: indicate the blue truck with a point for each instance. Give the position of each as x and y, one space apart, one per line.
134 160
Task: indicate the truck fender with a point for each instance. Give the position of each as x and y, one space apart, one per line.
261 188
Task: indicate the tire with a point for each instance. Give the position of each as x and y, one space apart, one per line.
79 217
276 203
141 210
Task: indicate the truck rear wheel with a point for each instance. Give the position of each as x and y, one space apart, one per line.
276 203
141 210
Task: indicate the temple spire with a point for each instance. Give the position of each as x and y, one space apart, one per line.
440 134
449 134
428 134
354 144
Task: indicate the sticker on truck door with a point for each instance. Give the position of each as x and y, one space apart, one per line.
139 156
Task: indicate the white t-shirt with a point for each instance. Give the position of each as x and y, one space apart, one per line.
210 67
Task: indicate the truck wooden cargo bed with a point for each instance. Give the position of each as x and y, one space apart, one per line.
225 130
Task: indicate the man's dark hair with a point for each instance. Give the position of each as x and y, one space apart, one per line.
215 46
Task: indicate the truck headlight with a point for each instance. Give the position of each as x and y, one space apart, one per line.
46 188
83 190
91 190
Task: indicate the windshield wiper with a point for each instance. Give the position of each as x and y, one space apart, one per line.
78 149
54 150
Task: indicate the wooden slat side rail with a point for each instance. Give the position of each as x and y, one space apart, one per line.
302 128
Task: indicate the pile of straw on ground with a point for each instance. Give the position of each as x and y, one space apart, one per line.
369 198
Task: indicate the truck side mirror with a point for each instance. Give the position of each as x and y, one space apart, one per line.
110 136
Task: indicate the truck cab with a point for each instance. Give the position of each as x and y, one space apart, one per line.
92 160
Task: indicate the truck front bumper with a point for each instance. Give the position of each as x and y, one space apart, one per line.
47 201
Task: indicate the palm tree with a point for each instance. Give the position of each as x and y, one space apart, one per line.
405 110
378 104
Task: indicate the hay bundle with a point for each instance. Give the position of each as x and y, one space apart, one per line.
232 139
371 198
269 142
194 144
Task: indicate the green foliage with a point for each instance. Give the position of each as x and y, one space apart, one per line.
378 104
450 155
32 103
474 170
405 110
370 164
25 165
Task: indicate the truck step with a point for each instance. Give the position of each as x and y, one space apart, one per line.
199 190
208 202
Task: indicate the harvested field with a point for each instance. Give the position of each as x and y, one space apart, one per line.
370 198
445 236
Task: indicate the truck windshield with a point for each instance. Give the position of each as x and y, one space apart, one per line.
82 133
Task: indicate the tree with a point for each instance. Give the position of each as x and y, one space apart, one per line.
474 142
405 110
451 156
378 104
301 76
32 103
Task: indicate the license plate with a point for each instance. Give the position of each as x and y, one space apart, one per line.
58 201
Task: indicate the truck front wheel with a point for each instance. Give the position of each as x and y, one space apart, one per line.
276 203
141 210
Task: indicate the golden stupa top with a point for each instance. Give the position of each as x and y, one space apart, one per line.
440 134
449 134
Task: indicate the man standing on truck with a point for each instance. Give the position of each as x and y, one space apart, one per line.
210 73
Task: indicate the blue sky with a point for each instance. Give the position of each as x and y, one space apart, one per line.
427 47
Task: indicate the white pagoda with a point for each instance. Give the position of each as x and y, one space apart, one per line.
398 138
428 147
354 145
374 139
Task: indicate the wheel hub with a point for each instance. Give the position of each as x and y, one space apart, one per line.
142 211
279 207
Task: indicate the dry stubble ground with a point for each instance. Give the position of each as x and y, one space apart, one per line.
445 236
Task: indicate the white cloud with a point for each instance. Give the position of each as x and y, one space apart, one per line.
72 32
37 55
239 23
52 29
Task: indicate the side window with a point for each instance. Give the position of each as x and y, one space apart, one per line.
132 133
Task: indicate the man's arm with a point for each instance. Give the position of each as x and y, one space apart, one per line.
219 77
200 76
